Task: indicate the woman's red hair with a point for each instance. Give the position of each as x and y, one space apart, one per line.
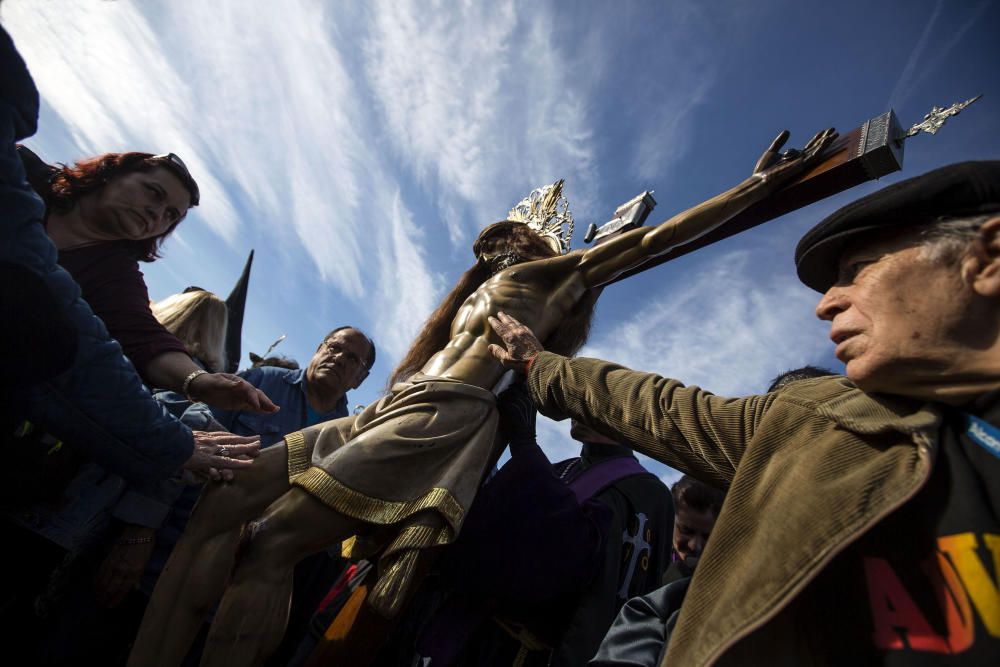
62 186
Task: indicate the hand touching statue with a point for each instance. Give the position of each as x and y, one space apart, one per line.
522 344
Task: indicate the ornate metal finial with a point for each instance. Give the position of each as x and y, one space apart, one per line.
933 121
546 211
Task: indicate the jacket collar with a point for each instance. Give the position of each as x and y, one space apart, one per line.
872 414
298 377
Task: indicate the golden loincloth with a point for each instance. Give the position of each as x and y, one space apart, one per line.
414 460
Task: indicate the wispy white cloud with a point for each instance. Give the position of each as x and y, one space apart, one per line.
667 138
728 330
102 69
943 42
906 78
685 76
407 293
264 107
480 102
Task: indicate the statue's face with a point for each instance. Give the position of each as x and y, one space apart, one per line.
495 251
501 261
501 245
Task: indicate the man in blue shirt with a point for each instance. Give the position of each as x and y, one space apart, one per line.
307 396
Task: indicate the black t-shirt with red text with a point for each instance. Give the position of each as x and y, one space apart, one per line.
921 587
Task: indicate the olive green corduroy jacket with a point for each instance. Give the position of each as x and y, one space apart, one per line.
809 469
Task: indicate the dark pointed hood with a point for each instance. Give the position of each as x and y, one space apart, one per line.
236 303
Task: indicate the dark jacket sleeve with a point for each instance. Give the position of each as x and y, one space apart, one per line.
687 428
640 633
99 405
513 544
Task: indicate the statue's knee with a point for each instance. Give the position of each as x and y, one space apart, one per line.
265 541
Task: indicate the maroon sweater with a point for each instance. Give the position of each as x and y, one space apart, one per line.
112 284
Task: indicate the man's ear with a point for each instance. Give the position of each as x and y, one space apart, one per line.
984 263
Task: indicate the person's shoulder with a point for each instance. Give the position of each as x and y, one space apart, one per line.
267 374
837 398
108 255
108 269
646 482
818 389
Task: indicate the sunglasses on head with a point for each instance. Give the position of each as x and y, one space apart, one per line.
177 166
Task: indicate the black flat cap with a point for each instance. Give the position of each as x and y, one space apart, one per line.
963 189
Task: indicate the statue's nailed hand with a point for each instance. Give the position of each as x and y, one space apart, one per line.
774 168
521 344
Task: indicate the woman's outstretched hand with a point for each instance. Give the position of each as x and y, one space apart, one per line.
218 454
230 392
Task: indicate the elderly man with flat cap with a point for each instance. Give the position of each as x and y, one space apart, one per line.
862 523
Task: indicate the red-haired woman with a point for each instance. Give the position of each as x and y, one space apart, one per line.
107 213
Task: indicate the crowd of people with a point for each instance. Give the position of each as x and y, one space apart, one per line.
161 511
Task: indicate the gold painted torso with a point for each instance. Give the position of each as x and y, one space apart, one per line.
539 294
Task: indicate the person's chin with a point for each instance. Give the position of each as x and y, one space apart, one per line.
869 377
330 385
129 227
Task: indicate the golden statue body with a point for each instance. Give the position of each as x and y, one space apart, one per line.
405 470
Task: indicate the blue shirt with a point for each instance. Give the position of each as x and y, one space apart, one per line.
287 389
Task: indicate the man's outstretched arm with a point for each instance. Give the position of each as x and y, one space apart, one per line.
687 428
605 262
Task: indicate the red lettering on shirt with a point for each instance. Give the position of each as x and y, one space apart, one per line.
899 623
960 581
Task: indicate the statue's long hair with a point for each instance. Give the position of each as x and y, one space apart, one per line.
436 332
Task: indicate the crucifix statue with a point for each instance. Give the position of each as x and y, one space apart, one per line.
403 473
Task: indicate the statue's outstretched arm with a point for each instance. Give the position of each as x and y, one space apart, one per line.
603 263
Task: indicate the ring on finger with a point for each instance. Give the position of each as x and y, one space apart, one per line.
223 452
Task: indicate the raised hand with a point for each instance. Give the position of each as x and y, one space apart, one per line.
775 169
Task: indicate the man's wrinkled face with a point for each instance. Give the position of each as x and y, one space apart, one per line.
691 531
339 363
895 315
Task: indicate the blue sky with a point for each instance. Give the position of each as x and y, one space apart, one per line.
360 147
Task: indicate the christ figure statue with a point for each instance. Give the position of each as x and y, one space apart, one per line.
403 473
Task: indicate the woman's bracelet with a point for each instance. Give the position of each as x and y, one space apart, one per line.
185 388
132 541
